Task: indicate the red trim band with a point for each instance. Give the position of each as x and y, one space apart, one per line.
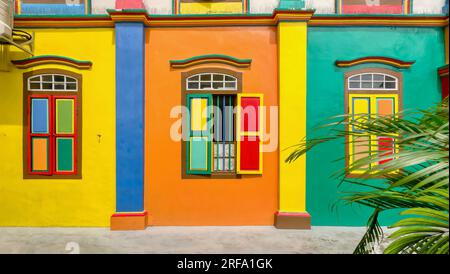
141 214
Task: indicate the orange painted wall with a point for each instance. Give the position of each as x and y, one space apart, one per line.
171 200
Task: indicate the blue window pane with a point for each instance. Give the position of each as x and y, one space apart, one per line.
49 9
39 116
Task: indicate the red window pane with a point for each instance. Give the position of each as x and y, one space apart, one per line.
250 114
249 158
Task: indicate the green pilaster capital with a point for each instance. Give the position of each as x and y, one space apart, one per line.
291 5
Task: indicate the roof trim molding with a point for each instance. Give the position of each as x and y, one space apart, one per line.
211 58
205 20
375 59
51 59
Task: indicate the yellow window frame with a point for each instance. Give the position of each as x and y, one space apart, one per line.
373 139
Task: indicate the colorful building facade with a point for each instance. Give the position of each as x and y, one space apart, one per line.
130 114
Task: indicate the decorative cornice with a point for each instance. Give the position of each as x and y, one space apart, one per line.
211 58
163 20
58 21
93 21
375 59
443 71
51 59
379 20
210 20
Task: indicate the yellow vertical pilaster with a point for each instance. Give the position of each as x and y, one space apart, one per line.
292 51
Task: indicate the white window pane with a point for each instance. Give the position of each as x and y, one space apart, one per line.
378 85
35 85
366 77
59 78
205 85
366 85
70 79
193 85
390 85
378 77
47 86
230 85
47 78
389 78
218 77
60 86
355 78
205 77
220 150
218 85
355 85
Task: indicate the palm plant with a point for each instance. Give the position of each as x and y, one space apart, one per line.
415 177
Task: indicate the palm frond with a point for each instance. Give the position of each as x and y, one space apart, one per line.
373 235
415 176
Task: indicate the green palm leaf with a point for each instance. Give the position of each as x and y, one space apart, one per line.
415 177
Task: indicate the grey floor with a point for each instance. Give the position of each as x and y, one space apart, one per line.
195 240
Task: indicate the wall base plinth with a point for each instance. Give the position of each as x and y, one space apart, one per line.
129 221
292 220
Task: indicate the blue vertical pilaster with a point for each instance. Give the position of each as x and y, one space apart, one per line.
130 117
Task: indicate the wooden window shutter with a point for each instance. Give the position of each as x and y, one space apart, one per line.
199 143
249 123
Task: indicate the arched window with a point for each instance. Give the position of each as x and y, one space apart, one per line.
52 102
372 81
211 81
371 93
223 128
52 82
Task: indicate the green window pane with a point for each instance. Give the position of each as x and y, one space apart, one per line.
64 116
64 154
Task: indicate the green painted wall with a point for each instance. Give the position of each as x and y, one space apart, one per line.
326 99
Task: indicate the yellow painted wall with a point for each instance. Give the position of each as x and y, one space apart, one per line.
204 8
89 201
292 39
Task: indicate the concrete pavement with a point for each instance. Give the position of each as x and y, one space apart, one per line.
197 240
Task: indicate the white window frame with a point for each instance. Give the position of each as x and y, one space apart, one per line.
31 80
212 81
349 80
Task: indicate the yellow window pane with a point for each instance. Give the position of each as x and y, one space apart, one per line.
198 113
361 110
208 8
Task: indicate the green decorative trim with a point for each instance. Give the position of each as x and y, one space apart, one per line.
211 58
51 59
89 7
